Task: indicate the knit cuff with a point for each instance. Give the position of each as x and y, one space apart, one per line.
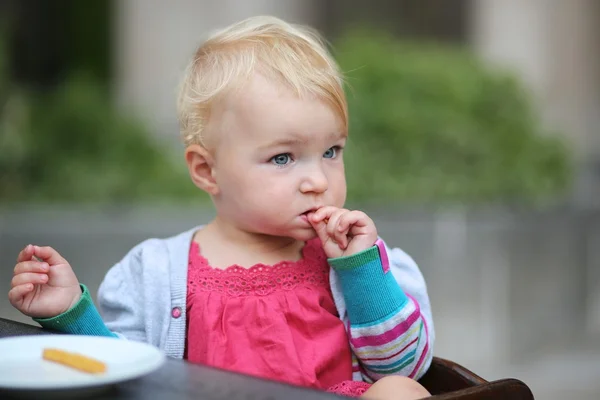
370 292
81 319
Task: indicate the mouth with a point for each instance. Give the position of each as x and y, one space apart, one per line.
310 211
306 213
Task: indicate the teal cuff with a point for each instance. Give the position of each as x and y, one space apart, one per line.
370 293
81 319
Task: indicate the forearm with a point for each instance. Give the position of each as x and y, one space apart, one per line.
387 331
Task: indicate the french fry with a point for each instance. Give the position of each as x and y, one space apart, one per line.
74 360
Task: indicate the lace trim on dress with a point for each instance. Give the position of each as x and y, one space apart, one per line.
259 279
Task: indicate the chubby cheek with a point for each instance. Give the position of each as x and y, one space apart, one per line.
262 193
264 209
273 196
340 198
338 189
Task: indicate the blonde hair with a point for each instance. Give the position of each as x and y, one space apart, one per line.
294 55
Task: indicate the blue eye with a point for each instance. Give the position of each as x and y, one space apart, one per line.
281 159
331 152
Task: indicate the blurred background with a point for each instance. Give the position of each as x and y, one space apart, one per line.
474 145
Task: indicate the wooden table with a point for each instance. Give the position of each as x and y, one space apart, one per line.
178 379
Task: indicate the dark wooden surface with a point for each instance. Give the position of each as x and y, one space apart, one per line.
176 379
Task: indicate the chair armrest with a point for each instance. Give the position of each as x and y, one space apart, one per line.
504 389
445 376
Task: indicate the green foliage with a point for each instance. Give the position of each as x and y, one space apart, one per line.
428 124
431 123
71 145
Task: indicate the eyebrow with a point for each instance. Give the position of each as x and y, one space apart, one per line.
297 139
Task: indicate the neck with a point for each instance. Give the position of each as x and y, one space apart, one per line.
253 242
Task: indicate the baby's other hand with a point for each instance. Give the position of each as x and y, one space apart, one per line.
343 232
46 288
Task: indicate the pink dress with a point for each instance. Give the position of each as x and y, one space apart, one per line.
276 322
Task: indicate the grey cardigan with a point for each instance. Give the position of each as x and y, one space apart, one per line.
143 297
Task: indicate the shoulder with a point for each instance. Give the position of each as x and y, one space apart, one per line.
164 246
161 247
401 261
408 275
155 254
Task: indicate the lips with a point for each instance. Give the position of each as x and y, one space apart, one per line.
306 213
313 209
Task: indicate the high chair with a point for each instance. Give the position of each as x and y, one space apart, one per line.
447 380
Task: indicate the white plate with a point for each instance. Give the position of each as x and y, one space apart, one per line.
22 366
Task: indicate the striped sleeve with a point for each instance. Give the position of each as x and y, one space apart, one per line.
387 332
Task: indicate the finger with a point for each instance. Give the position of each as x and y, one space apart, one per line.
358 224
49 255
333 219
323 213
351 224
29 277
341 238
320 228
31 266
341 234
352 219
332 224
25 254
16 294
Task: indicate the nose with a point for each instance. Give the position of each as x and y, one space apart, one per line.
315 181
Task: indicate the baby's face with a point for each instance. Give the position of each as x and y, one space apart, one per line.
277 157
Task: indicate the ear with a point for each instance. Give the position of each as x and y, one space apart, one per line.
201 167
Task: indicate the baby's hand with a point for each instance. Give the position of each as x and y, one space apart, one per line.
46 288
343 232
